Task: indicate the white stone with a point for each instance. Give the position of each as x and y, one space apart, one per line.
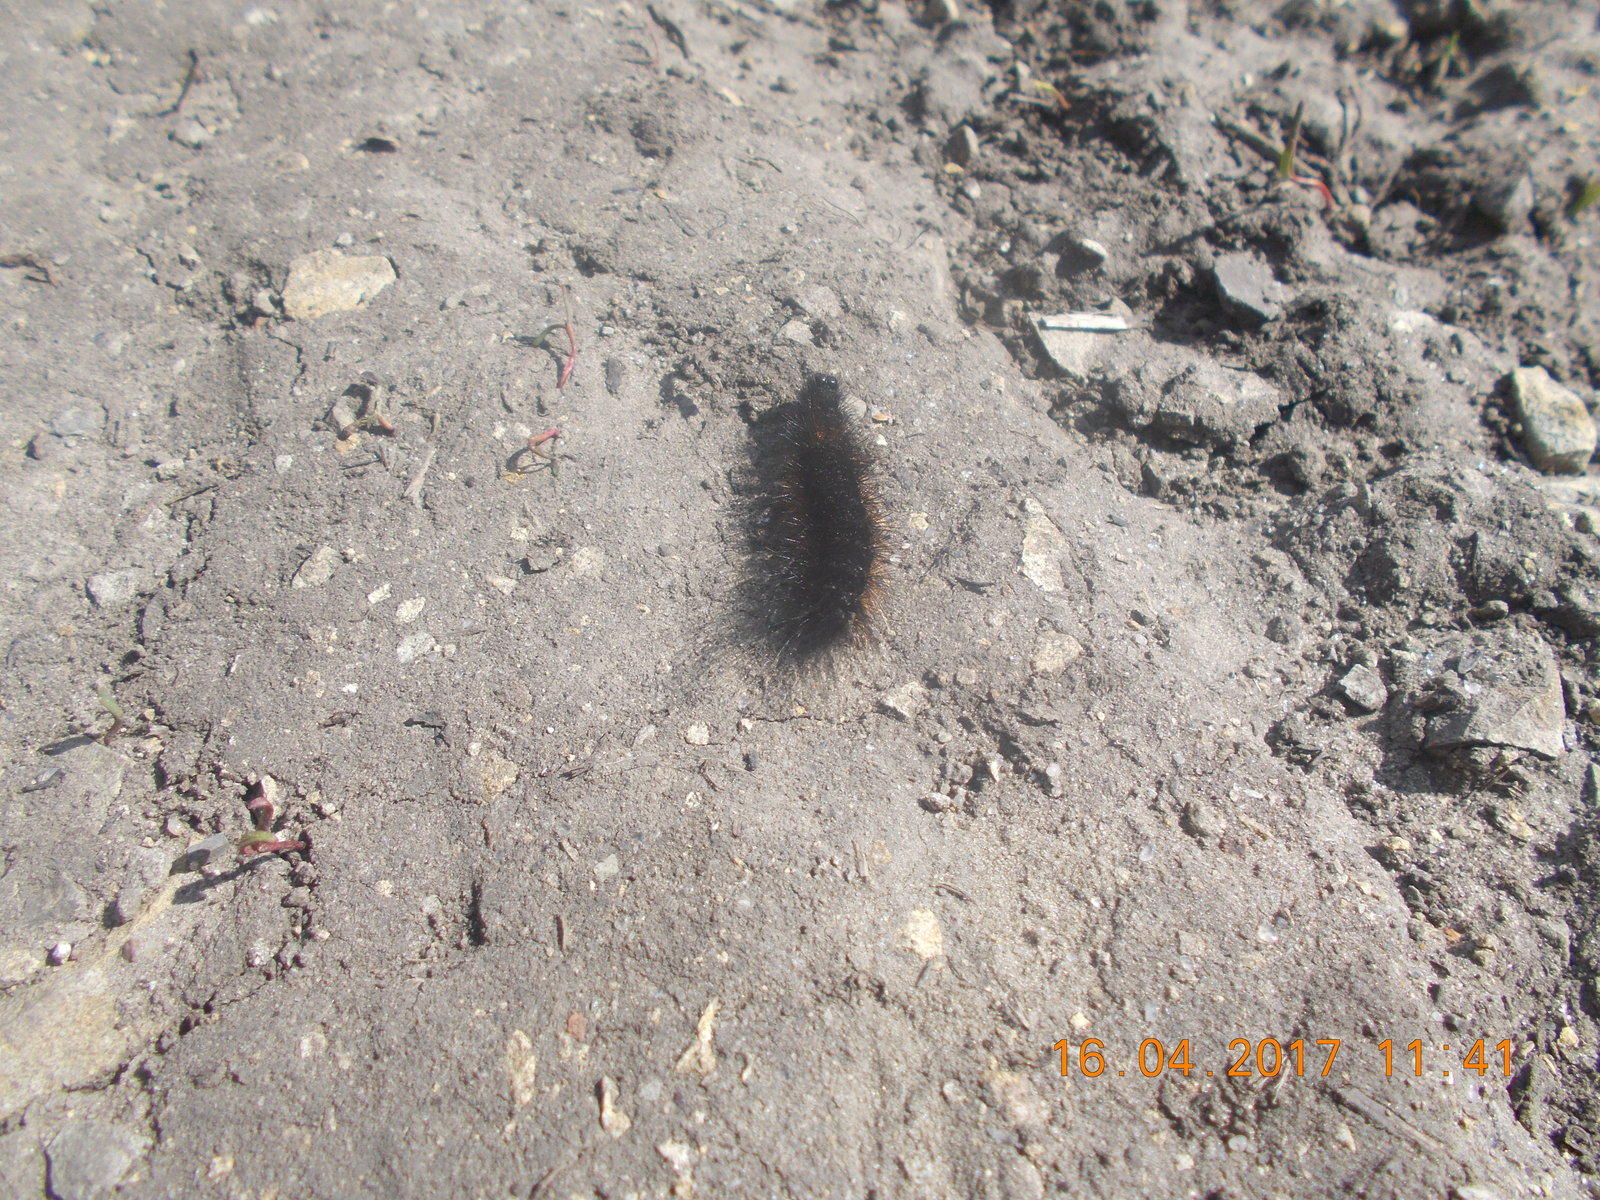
1053 652
110 588
317 569
326 281
922 934
415 646
796 331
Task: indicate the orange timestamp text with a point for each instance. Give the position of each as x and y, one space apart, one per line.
1269 1058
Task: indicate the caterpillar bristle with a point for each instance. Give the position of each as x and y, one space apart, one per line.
826 540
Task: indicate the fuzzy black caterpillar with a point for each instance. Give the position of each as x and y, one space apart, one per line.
825 544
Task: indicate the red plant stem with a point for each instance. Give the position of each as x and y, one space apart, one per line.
572 358
270 847
539 439
261 811
1313 182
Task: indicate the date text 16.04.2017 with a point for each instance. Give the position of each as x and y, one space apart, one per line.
1269 1057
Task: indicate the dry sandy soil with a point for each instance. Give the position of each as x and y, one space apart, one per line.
1235 693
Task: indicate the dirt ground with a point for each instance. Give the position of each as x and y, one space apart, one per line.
1216 813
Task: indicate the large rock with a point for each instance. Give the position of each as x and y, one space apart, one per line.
1501 691
1557 430
1084 345
1172 392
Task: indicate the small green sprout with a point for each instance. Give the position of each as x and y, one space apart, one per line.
1291 145
1585 194
119 719
1051 90
1449 59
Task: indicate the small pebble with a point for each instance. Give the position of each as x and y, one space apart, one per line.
342 415
317 569
414 647
616 375
612 1119
75 422
541 559
190 133
49 777
796 331
111 588
1364 688
201 853
1200 821
905 701
1247 287
961 147
1506 202
1283 630
1081 254
60 953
